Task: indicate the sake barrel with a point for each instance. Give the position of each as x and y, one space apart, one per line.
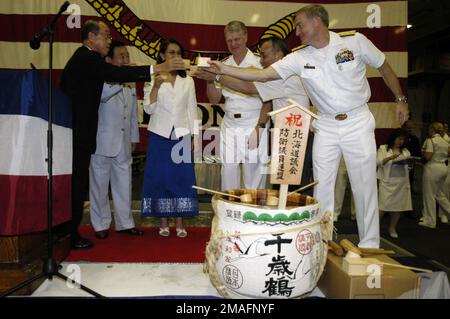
258 251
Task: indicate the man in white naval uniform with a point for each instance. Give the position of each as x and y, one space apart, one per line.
111 162
332 67
277 92
241 117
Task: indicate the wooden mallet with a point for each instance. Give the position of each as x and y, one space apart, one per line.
245 198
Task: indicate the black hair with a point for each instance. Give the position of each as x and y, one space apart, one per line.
278 44
114 44
89 26
399 132
162 49
405 124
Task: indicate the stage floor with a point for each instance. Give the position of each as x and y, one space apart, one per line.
164 280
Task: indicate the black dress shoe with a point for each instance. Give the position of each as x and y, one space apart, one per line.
81 243
102 234
131 231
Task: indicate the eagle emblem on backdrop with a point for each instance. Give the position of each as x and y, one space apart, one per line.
146 39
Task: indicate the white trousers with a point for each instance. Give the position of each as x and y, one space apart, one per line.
342 181
116 170
234 150
433 181
354 139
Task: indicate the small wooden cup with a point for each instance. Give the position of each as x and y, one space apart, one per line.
246 198
203 61
272 201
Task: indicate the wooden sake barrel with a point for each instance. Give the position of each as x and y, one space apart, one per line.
259 251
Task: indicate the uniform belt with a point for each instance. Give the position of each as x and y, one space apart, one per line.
346 115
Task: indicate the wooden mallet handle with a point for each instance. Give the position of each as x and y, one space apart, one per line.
215 192
348 246
376 251
304 187
406 267
335 248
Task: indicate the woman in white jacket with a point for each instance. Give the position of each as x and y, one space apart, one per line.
394 190
435 150
169 169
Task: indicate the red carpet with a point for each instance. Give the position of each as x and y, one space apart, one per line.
148 248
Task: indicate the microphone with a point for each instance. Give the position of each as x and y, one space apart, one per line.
64 7
35 43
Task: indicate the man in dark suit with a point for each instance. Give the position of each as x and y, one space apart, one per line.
82 80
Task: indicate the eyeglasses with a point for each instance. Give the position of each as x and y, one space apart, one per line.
105 35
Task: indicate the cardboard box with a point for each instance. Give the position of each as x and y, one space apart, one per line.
393 283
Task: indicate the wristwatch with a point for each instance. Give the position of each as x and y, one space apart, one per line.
217 78
402 98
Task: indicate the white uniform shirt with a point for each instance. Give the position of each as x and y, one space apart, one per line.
236 102
175 107
438 146
335 76
280 90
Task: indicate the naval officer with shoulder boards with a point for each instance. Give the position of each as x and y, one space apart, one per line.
332 67
241 117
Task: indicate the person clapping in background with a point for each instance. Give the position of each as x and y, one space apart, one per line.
394 190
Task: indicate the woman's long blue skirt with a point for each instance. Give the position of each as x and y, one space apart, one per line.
168 184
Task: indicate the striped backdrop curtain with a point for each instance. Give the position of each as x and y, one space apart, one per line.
198 25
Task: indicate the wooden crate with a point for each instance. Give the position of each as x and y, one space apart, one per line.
14 249
26 259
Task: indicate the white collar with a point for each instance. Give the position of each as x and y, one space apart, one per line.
245 58
335 39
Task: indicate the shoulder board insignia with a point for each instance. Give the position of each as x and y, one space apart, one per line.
299 47
347 33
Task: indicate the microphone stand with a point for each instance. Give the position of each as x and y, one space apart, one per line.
50 268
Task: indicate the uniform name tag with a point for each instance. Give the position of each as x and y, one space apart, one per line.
309 67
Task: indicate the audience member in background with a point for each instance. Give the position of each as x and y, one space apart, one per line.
442 214
445 136
111 162
435 151
394 193
169 170
412 143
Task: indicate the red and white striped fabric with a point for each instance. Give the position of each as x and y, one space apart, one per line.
198 25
